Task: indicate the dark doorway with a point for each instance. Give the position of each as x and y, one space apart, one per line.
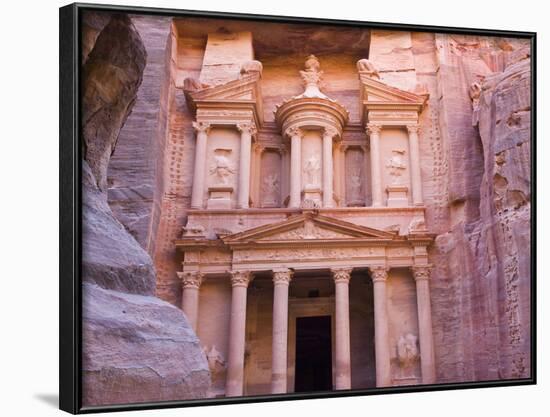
313 354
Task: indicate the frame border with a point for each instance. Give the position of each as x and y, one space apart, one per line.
70 203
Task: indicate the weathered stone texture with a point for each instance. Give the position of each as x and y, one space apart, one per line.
132 178
135 346
138 349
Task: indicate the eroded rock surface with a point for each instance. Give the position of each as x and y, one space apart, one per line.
135 346
138 349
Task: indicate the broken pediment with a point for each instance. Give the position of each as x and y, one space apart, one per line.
235 95
308 227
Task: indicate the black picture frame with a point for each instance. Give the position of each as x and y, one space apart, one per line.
70 203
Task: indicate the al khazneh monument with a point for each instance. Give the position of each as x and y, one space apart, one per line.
310 189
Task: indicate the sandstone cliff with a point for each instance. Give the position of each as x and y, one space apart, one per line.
135 347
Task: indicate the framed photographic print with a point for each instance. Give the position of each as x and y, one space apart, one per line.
259 208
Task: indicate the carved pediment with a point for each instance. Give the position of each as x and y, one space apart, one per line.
234 95
388 103
308 228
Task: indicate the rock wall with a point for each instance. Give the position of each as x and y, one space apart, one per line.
135 346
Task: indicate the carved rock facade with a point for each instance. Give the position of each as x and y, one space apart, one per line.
387 186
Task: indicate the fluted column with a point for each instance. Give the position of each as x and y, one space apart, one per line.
328 134
235 361
337 171
247 131
341 278
373 131
190 282
281 281
414 151
295 134
379 276
197 194
421 275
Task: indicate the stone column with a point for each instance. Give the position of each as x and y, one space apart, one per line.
235 360
295 134
190 282
337 171
379 276
373 131
328 134
197 194
416 179
247 130
341 278
281 281
421 275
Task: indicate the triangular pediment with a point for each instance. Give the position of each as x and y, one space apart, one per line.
374 90
246 88
308 227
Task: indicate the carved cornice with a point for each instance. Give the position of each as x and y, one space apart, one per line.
247 128
373 128
282 276
294 131
378 273
201 127
341 274
191 279
413 128
421 272
241 278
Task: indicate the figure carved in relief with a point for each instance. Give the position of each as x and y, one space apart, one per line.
216 361
396 165
222 167
366 67
311 170
270 188
407 354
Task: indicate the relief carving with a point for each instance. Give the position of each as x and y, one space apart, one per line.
396 165
251 67
270 189
308 231
222 168
216 362
407 355
311 171
366 67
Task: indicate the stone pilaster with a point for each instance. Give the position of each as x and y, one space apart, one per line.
281 281
328 134
247 131
341 278
379 276
414 150
190 283
373 130
199 171
421 275
295 135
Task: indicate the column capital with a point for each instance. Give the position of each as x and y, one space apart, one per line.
373 128
241 278
330 131
191 279
249 128
201 127
282 276
378 273
341 274
421 272
294 131
413 128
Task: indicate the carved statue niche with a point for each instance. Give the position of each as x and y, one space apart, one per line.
270 184
222 168
355 194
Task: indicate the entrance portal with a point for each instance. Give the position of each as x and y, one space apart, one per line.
313 354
